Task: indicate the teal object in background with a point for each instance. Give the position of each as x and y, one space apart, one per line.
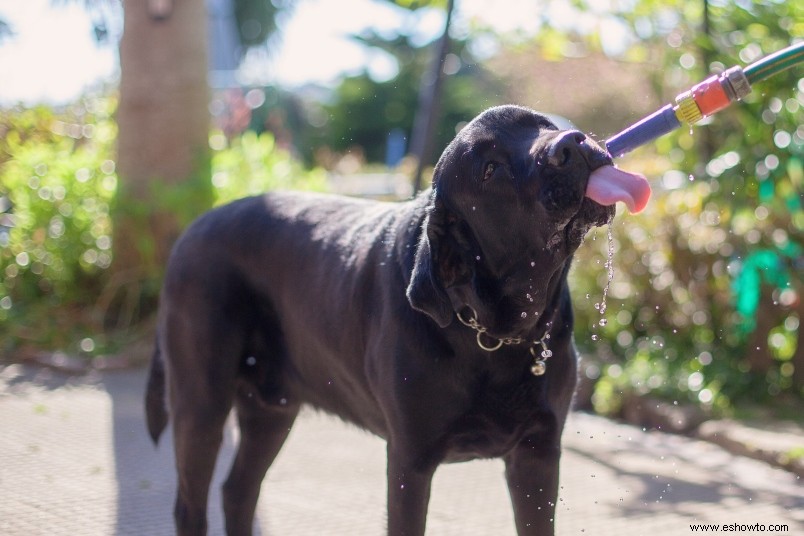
761 266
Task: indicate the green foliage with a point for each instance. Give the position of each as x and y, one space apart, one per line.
704 306
256 20
418 4
58 180
365 110
252 164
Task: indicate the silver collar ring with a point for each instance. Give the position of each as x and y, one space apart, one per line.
539 359
488 348
481 330
472 323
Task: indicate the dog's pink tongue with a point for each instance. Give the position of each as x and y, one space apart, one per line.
608 184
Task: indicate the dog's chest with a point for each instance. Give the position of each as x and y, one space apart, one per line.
497 420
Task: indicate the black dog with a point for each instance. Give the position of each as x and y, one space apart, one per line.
442 324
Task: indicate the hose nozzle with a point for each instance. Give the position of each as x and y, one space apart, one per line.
712 95
702 100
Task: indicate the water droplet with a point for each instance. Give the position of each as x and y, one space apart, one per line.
532 263
595 337
603 322
601 307
524 314
87 344
477 258
691 177
251 361
529 297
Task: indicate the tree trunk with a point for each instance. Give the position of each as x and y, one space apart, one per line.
163 151
769 315
429 104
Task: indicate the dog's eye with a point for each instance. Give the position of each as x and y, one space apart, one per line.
491 167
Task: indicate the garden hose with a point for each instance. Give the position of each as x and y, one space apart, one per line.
703 100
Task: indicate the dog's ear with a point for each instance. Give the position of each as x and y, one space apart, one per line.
427 291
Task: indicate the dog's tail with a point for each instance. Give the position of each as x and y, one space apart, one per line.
155 410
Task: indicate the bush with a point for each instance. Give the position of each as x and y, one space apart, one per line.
57 182
58 178
674 327
252 164
706 304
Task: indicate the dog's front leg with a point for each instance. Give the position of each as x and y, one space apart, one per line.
408 494
532 474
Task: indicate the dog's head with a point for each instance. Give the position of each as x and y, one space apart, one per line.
507 210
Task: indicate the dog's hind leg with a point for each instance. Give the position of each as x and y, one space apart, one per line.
197 441
202 378
263 430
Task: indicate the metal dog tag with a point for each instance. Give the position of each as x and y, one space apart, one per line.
539 368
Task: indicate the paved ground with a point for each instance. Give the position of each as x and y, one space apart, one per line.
76 461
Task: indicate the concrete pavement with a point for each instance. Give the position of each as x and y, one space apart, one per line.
76 460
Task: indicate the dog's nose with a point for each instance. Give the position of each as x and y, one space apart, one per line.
565 149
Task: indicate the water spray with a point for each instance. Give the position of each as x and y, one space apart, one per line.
703 99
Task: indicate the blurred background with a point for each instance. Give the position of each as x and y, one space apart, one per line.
121 121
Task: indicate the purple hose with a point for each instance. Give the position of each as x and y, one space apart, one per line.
657 124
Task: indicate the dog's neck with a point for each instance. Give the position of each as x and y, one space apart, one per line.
537 347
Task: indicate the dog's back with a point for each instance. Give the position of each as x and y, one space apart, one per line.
293 278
